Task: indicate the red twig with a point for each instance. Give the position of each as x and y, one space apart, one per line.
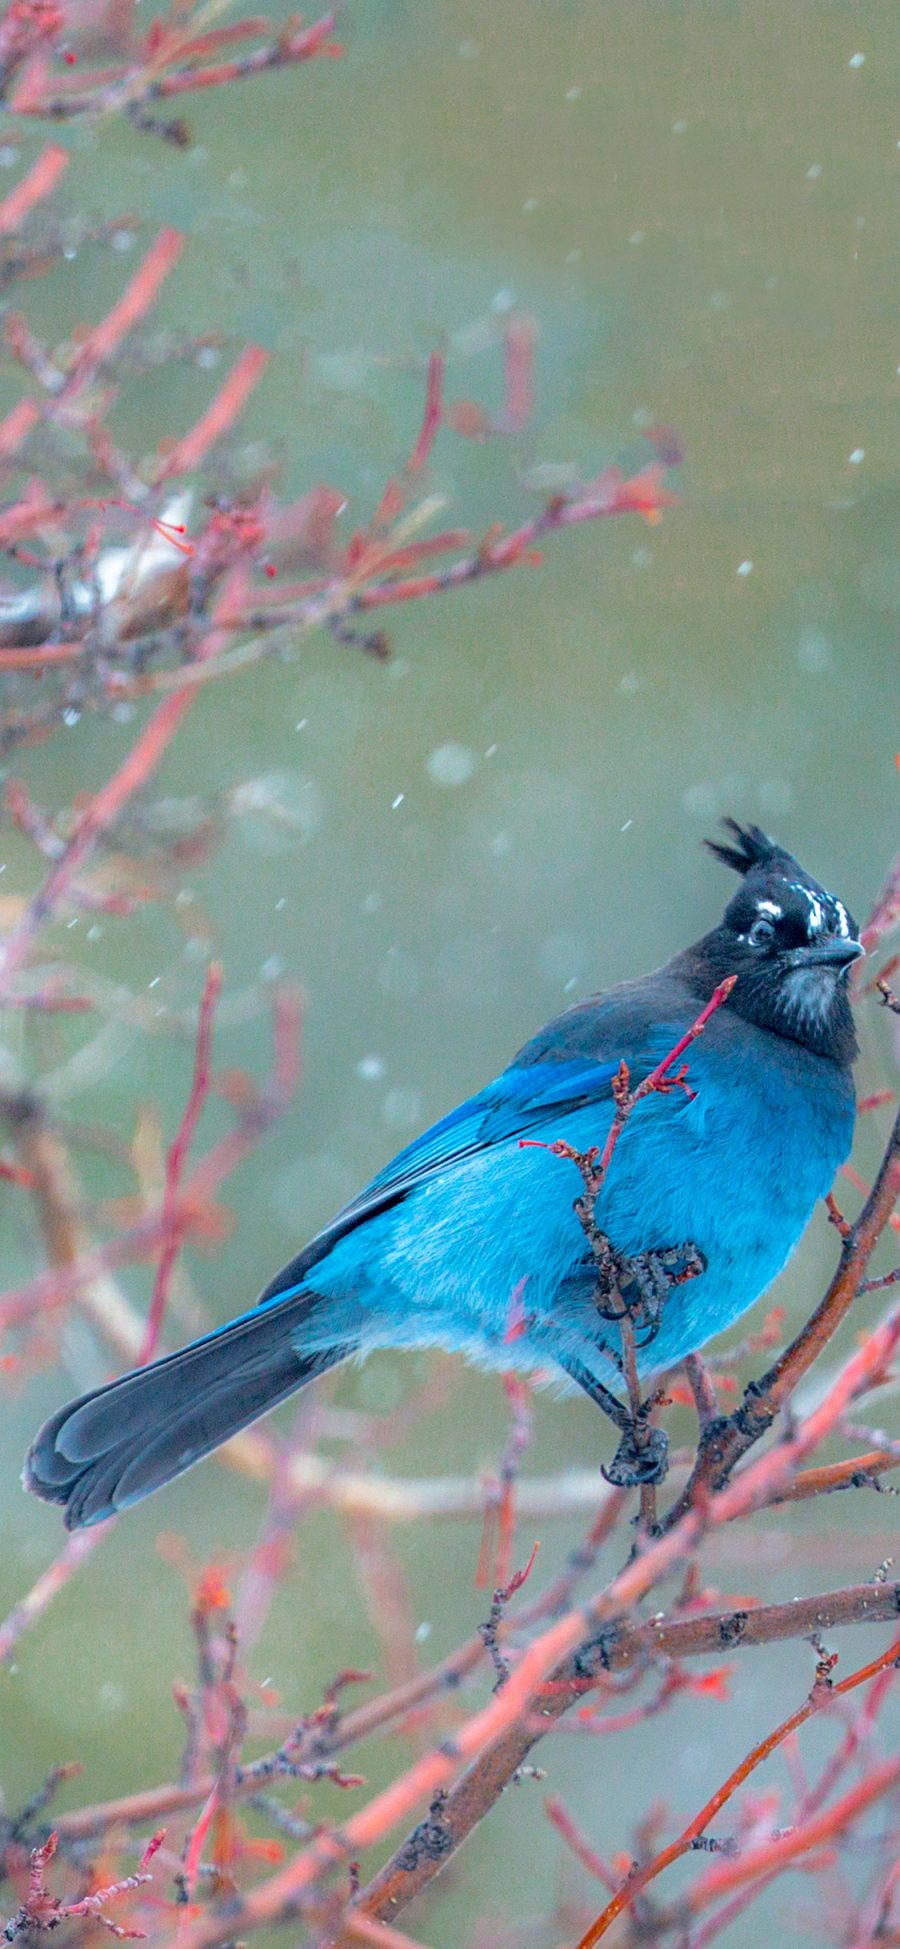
187 453
771 1857
139 294
41 180
55 1287
74 1553
16 425
822 1695
519 344
659 1079
561 1819
886 911
610 495
432 416
173 1216
104 808
41 1910
163 66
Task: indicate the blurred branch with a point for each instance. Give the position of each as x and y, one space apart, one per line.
171 59
620 1647
823 1695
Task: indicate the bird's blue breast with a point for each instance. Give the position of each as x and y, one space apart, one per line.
481 1235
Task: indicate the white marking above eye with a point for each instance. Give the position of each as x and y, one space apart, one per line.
816 921
770 907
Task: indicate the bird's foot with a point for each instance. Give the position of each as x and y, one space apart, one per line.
641 1458
639 1286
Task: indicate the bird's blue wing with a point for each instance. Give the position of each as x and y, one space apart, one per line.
526 1098
553 1075
520 1100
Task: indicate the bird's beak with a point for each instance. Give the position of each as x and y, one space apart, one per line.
838 952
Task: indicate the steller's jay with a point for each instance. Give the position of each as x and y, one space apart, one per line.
468 1221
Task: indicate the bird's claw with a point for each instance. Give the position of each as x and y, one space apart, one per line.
639 1460
642 1285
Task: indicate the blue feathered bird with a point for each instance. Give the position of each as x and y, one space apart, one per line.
468 1222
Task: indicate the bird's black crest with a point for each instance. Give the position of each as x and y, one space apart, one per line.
753 847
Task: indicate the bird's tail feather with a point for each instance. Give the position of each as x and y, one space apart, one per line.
112 1447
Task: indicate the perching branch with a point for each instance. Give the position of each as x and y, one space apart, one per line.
727 1440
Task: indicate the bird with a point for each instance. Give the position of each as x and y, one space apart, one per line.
474 1222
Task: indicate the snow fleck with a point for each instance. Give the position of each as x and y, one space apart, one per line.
679 128
531 204
402 1108
573 94
397 801
272 969
858 455
370 1069
856 61
701 800
628 823
813 651
814 172
154 983
744 568
450 764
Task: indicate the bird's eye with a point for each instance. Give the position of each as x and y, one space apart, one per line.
762 933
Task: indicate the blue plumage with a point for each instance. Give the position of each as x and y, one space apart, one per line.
469 1215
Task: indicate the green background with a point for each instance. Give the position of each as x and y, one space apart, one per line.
693 202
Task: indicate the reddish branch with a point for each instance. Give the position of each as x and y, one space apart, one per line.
43 1910
255 1114
186 454
822 1696
140 293
168 61
174 1216
621 1647
494 1741
42 178
104 808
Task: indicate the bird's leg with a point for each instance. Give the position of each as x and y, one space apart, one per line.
642 1454
632 1291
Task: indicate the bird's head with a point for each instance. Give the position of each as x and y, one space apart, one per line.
790 942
